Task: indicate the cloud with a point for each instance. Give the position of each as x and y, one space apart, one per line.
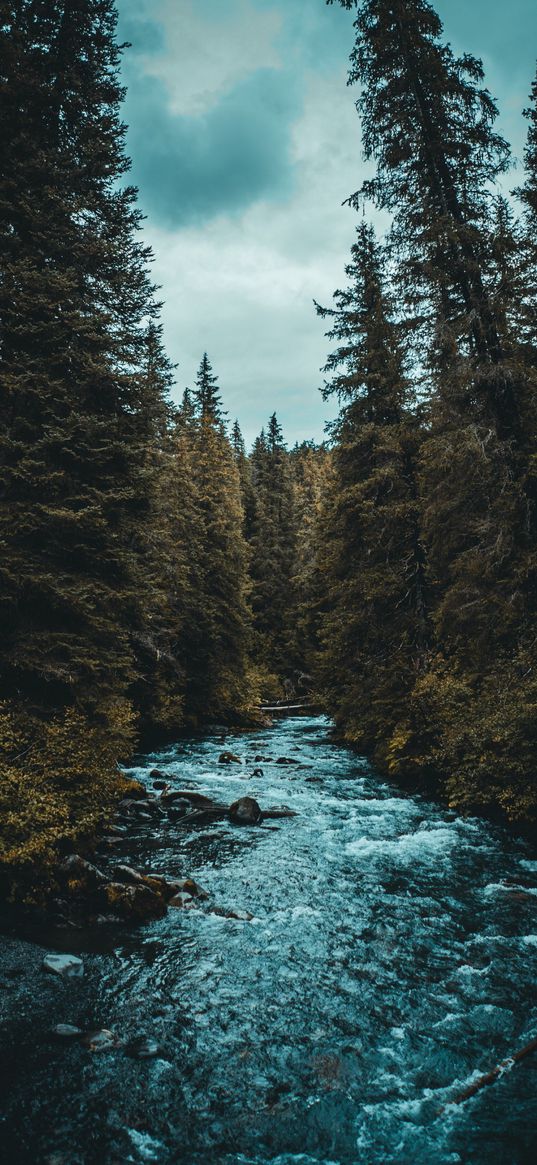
245 143
207 46
243 287
190 169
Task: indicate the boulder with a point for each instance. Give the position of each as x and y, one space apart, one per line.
80 875
245 811
188 886
285 760
229 758
137 903
157 775
178 808
100 1041
164 887
66 1031
133 789
238 915
127 874
141 809
160 784
258 773
179 901
142 1048
67 966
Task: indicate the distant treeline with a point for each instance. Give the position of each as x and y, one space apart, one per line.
156 577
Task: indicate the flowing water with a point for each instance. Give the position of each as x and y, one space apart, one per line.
388 963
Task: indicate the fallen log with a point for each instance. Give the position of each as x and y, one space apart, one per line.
204 815
279 811
288 708
495 1074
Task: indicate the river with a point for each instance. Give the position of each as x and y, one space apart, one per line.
389 960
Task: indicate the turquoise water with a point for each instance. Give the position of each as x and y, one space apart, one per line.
389 961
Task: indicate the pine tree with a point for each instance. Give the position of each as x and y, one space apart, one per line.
206 397
311 469
273 549
528 191
217 630
376 627
80 413
428 124
245 476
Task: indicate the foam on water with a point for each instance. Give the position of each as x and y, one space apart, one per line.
389 962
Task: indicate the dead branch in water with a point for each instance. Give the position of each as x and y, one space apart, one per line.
491 1077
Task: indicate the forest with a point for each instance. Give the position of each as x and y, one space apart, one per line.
158 577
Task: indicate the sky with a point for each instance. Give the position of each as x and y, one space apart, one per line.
245 144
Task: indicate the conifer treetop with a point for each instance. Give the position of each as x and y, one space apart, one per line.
207 395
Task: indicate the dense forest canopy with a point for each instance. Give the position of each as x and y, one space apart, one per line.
155 574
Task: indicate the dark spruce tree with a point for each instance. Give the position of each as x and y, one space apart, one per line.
528 191
376 628
428 125
206 397
79 416
311 468
217 631
273 551
245 476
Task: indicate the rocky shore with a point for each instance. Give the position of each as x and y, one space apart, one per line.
102 890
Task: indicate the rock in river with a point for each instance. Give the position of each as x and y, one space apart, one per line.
229 758
80 875
143 1048
100 1041
245 811
181 900
68 966
133 903
66 1031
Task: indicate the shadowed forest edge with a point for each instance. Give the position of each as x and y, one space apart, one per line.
155 576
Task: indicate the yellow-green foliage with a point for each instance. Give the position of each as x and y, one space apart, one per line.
478 736
58 780
268 684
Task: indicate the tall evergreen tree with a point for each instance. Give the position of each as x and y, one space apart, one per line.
245 476
376 628
428 124
528 191
217 632
273 548
206 396
80 412
311 468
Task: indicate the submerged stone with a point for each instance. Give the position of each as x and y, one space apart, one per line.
143 1048
102 1040
66 1031
68 966
179 901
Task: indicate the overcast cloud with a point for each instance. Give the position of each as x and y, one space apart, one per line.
245 143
